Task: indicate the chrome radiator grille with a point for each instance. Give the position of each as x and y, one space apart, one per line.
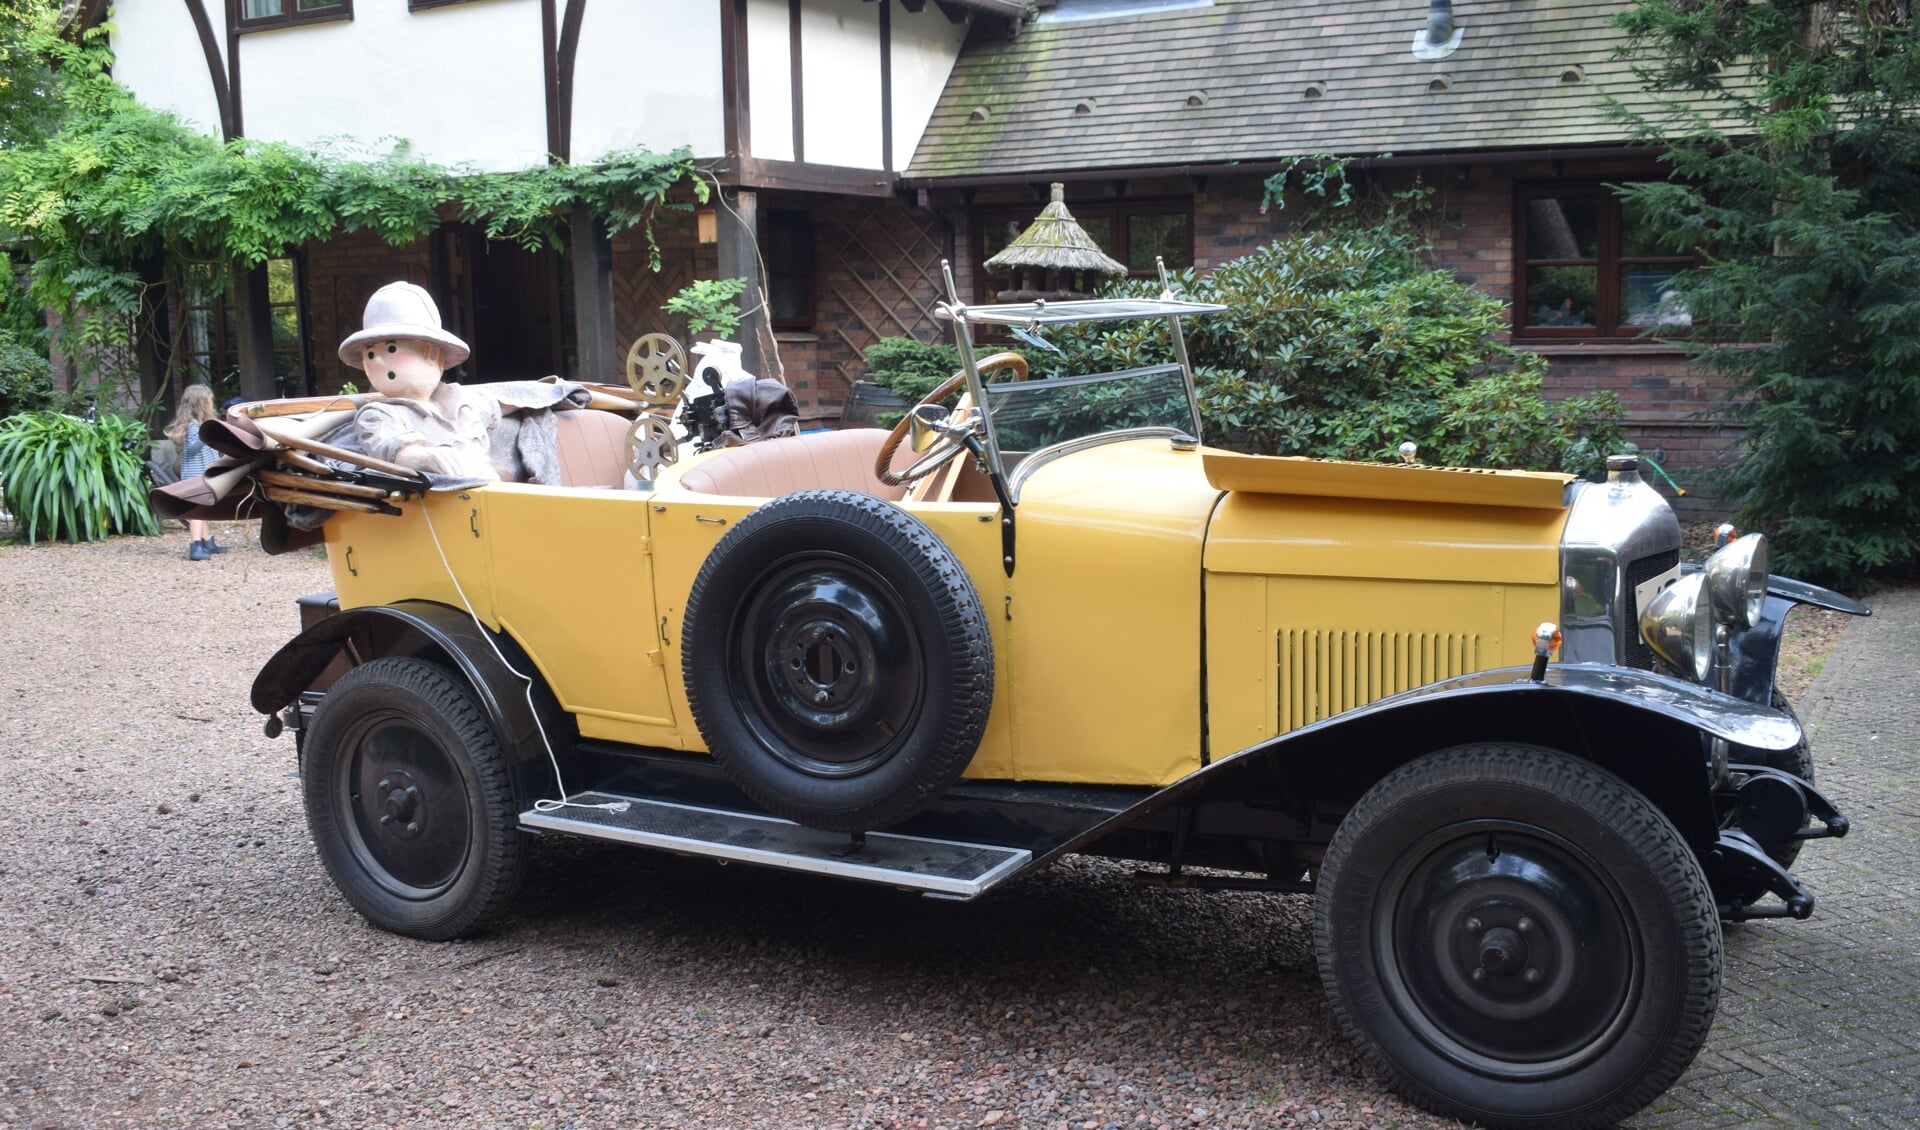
1637 653
1324 672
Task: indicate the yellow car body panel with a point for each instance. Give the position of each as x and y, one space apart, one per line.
687 525
1317 605
1105 615
1312 604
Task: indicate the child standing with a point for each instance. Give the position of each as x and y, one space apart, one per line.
196 408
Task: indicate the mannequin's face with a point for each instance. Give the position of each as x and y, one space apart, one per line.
403 368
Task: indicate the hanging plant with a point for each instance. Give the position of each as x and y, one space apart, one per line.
67 479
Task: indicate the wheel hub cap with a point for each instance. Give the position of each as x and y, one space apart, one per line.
827 657
1509 950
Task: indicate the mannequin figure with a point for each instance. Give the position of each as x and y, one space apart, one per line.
422 422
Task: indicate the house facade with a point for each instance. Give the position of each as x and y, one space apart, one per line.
854 144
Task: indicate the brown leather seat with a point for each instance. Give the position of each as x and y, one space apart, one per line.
841 460
592 447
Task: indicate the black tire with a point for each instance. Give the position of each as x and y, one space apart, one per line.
409 800
1518 938
837 660
1798 760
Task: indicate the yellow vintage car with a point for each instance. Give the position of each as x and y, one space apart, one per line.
1523 759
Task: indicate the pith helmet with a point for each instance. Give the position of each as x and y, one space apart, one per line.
403 310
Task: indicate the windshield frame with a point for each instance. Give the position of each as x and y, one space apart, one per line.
1031 316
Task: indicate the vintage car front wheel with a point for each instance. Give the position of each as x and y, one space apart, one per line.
1518 938
837 660
409 801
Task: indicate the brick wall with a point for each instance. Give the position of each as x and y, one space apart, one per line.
878 276
341 275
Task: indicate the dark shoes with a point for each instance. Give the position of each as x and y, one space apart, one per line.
199 551
215 547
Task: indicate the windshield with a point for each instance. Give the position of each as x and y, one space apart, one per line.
1029 415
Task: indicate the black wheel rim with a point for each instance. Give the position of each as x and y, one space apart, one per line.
1507 949
828 670
409 814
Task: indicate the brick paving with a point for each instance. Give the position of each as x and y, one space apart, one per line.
1819 1021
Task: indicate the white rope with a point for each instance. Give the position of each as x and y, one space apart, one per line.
565 800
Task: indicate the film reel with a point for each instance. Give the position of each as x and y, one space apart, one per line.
650 446
657 370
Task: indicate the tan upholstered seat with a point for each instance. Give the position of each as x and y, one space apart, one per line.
592 447
840 460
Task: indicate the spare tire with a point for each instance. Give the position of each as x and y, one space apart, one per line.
837 660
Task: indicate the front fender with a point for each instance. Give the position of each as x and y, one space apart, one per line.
432 631
1646 728
1756 651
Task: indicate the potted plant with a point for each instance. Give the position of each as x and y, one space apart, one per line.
902 371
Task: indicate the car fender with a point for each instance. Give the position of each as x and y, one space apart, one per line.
1756 651
448 635
1646 728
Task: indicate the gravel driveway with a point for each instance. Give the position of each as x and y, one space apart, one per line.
171 953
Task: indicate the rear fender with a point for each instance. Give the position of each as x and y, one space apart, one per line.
424 630
1649 729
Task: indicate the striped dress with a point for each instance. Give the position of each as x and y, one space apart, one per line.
194 455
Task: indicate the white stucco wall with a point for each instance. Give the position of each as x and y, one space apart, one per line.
840 82
157 55
770 80
925 47
647 73
461 84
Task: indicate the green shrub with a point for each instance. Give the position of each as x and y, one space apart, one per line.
67 479
1340 345
709 304
26 379
911 367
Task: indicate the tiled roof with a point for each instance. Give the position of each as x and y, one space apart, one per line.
1230 82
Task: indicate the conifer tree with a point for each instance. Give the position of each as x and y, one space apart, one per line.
1794 130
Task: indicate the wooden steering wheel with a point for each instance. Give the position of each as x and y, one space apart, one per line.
946 447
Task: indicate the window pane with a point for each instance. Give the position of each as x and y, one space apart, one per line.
286 329
789 252
1100 228
280 290
1563 228
996 234
1561 296
1636 237
1648 299
263 9
1167 235
317 5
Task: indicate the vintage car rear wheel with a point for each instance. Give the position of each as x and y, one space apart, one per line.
409 800
1518 938
837 660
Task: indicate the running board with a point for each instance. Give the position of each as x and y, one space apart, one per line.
940 868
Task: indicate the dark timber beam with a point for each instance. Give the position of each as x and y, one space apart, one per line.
593 325
739 253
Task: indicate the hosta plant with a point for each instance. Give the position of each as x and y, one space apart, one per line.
67 479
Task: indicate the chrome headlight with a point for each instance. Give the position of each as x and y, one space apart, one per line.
1676 625
1737 581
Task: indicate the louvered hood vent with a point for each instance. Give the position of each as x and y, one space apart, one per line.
1323 672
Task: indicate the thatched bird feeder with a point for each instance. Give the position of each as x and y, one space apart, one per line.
1046 260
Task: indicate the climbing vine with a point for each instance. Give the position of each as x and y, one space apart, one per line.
119 196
